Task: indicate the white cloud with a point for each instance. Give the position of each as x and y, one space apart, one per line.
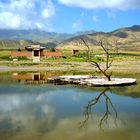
77 25
111 14
14 19
95 4
82 14
46 10
95 18
39 25
25 14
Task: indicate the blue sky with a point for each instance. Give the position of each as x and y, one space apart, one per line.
69 15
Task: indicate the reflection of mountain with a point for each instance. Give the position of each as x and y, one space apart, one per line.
132 91
66 129
26 116
49 112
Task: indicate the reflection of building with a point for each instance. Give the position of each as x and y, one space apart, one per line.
35 52
34 78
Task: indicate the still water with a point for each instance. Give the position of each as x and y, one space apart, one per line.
32 109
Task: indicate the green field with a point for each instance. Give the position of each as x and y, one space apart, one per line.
5 55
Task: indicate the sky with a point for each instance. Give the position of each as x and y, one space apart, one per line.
69 16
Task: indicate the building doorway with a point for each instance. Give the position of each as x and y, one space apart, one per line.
36 52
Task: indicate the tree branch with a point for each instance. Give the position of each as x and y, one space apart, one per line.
96 64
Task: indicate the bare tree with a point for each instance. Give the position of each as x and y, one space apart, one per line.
102 69
116 46
93 102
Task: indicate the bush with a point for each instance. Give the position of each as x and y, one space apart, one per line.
52 50
5 57
19 50
98 59
20 58
64 57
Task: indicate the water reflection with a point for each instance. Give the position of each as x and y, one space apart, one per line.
49 112
42 78
34 77
108 106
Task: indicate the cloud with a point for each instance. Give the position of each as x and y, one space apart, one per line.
101 4
14 20
95 18
25 14
82 14
111 14
78 24
48 10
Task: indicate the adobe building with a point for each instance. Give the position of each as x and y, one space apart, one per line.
36 52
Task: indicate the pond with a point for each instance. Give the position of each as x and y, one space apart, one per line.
32 108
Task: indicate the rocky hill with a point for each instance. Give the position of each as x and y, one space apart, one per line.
15 44
124 38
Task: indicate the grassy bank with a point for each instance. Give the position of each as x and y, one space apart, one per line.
124 68
5 55
123 63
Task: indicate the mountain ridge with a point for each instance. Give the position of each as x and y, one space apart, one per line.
127 36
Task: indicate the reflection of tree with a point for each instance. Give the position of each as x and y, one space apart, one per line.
93 102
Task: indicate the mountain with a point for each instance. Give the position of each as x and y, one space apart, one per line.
125 38
84 32
34 35
37 35
10 38
15 44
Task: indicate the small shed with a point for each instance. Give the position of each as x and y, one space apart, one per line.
75 52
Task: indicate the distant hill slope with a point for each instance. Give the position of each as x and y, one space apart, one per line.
37 35
125 38
34 35
15 44
10 38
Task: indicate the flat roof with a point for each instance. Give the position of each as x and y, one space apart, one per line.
34 47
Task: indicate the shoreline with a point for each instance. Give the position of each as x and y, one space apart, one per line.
83 67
